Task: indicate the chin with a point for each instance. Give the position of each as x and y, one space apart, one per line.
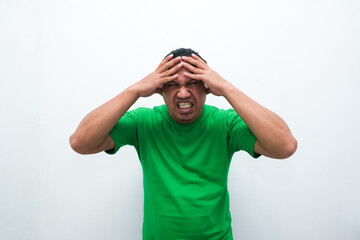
186 119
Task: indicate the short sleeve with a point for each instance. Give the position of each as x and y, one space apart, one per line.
124 132
240 135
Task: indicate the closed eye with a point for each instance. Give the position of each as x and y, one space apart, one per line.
195 82
170 84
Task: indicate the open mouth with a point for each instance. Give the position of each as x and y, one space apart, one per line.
184 105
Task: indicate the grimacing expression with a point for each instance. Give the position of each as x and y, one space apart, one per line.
184 97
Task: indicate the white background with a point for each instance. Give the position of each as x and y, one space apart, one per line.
61 59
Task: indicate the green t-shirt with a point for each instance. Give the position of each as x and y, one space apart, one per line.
185 169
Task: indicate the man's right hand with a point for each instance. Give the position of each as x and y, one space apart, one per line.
153 82
92 134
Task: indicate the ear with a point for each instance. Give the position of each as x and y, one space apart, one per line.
159 91
207 91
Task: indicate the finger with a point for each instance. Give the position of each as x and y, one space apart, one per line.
165 60
168 79
192 68
172 70
198 62
194 76
190 60
169 64
196 57
201 63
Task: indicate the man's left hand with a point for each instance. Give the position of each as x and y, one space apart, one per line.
199 70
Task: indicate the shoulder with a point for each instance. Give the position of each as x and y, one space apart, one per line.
225 119
144 111
144 114
217 113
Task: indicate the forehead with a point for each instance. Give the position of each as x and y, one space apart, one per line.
182 70
181 75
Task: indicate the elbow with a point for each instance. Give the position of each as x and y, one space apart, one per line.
289 148
76 144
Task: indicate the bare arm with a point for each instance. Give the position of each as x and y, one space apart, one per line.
274 138
92 134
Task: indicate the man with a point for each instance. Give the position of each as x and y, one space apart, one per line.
185 147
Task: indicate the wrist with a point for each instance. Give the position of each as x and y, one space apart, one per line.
228 89
133 91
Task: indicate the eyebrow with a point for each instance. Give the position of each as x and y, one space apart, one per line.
190 81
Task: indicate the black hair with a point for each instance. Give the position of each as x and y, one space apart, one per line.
184 52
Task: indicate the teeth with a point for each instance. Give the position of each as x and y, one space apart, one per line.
184 105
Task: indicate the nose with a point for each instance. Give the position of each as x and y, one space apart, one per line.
183 92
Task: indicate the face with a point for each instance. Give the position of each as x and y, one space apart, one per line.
184 98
